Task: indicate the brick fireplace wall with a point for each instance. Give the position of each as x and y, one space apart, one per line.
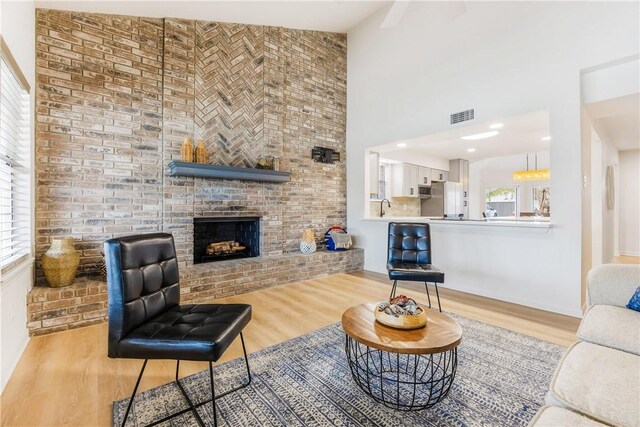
116 95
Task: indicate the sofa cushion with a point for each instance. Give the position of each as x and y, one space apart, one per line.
552 416
611 326
599 382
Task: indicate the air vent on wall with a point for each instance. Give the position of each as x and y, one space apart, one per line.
462 116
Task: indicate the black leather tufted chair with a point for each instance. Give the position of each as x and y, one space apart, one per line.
409 257
146 320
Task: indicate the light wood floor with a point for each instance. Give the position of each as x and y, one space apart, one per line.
67 379
626 259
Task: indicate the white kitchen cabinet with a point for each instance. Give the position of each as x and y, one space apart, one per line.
439 175
410 184
424 175
459 172
405 180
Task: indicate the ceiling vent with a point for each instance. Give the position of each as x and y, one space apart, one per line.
462 116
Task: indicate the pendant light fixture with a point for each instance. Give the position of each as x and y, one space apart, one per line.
532 175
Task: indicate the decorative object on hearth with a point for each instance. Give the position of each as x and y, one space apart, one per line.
401 312
265 163
102 265
60 262
225 248
201 152
186 151
325 155
276 164
308 241
337 238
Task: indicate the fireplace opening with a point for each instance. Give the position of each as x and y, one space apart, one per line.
221 238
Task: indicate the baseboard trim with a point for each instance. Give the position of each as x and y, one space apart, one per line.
627 253
15 362
471 297
473 291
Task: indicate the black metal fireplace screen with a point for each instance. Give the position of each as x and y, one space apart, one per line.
221 238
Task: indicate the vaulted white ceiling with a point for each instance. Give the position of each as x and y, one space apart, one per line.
330 15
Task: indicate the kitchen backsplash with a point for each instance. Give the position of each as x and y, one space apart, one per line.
400 206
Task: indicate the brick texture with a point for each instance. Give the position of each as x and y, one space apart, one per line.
116 95
98 131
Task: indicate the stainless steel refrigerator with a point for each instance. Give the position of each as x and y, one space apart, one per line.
446 200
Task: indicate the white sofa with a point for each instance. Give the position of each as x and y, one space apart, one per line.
597 382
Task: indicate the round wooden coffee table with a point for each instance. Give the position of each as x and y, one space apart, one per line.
404 370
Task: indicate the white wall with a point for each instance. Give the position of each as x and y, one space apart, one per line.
608 91
612 80
629 197
597 199
604 221
17 26
503 59
609 216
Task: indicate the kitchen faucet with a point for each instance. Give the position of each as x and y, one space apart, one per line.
381 203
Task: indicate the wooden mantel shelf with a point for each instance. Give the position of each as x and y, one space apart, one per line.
226 172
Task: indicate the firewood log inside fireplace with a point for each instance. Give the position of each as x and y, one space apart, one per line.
226 247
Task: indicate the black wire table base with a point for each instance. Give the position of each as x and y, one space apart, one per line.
406 382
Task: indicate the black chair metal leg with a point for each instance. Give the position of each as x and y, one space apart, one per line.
192 407
133 395
246 360
426 286
393 289
186 396
213 395
438 295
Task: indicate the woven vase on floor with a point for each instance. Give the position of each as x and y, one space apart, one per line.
308 241
60 262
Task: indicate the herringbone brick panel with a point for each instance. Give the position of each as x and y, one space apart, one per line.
229 92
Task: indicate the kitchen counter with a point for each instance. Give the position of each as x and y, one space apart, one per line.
522 223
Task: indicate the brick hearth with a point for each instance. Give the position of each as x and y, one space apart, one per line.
85 302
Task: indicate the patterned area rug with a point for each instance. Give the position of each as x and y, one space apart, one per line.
501 380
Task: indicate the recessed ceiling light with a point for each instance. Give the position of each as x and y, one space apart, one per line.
496 126
546 138
480 135
402 145
471 150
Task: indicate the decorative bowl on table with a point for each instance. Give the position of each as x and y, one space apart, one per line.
401 312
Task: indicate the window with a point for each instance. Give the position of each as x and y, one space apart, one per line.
541 198
501 202
15 163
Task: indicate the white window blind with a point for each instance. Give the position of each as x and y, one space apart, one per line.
15 162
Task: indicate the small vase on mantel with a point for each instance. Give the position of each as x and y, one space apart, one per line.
60 262
186 151
201 152
308 241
